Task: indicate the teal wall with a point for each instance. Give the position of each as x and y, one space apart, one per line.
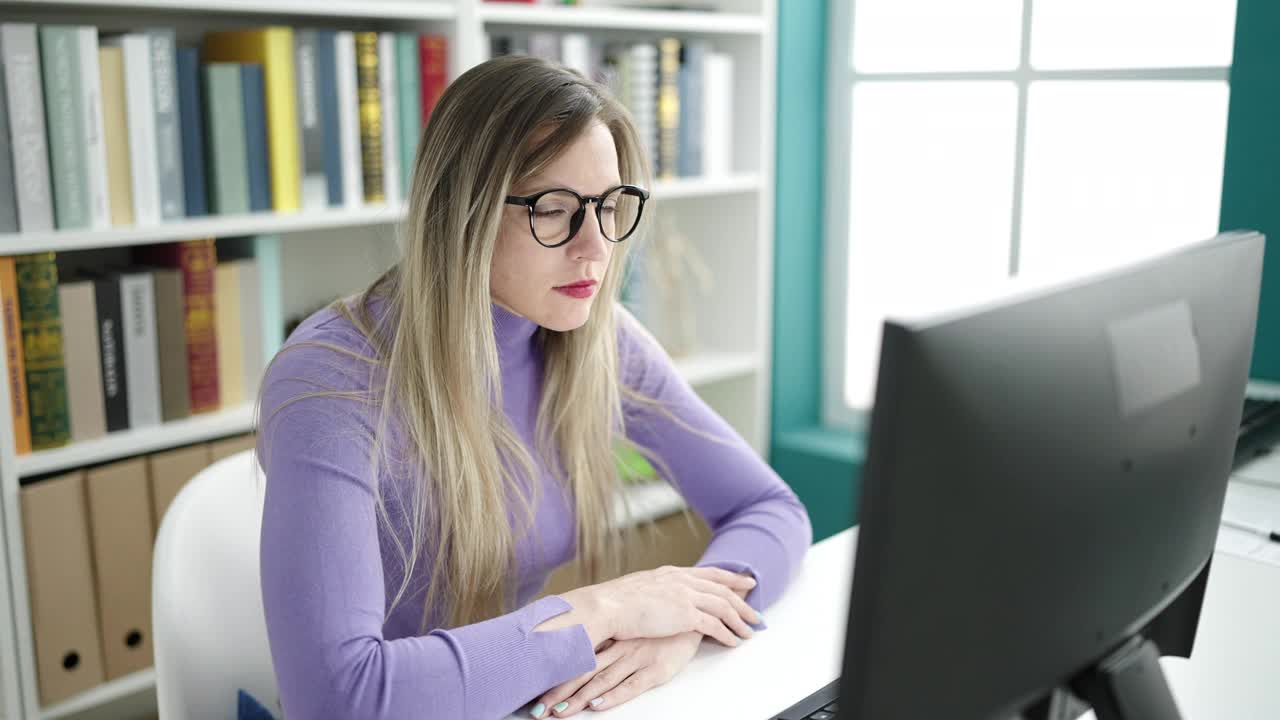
1251 176
819 464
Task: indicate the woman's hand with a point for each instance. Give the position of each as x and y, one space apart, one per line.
624 669
661 603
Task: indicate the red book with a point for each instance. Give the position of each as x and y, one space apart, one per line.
197 260
433 54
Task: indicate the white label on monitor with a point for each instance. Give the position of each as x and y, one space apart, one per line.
1155 356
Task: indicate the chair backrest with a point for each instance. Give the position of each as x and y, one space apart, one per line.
208 625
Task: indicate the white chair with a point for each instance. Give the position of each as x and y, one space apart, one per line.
208 626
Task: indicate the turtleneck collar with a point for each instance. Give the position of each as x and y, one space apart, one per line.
513 334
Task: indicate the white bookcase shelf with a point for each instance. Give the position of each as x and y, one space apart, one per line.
727 219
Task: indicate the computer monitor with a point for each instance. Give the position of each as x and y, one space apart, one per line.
1044 480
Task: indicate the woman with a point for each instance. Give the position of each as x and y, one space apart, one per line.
439 443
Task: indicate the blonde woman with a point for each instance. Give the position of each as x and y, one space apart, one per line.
436 445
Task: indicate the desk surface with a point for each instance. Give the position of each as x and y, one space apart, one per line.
1233 673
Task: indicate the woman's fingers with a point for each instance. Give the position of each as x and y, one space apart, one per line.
628 689
605 659
714 627
603 681
721 609
724 577
745 611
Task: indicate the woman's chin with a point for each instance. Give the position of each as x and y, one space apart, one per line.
564 319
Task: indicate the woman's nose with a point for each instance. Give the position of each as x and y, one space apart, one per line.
589 243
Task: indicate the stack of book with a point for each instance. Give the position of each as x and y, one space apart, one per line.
130 129
679 92
174 334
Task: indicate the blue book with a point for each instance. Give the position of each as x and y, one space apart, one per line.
327 90
255 137
689 140
191 121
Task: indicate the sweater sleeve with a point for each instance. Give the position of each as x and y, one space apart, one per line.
758 524
323 588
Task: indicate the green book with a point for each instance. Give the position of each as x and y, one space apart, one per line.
226 158
60 59
42 347
409 79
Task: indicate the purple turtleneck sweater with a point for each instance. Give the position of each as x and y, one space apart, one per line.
330 570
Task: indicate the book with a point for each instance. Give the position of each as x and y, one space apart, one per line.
349 120
668 106
115 132
164 93
255 137
83 363
8 199
17 379
171 341
388 93
141 347
252 320
433 49
272 48
691 108
140 115
327 91
226 152
191 124
409 104
20 58
370 116
95 156
315 188
229 332
115 382
37 276
60 61
717 114
196 259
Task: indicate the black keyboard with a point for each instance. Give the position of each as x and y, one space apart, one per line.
821 705
1259 430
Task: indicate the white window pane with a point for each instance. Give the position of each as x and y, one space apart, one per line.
1117 170
936 35
931 195
1076 34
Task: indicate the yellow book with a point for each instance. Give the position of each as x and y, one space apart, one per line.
115 129
226 306
272 48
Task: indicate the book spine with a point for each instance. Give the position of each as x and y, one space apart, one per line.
95 154
20 56
668 106
142 362
197 260
643 101
19 410
315 189
717 128
409 97
8 198
691 105
349 120
142 128
171 339
224 126
434 59
387 93
60 59
370 116
191 121
42 350
327 92
164 89
115 125
255 137
115 382
81 356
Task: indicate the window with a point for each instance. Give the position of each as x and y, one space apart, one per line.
974 141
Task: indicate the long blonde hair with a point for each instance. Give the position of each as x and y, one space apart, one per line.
435 360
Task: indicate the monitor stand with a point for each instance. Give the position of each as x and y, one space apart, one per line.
1128 684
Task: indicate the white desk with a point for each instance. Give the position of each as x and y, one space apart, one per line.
1234 674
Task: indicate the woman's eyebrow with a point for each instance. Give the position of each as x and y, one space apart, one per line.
537 184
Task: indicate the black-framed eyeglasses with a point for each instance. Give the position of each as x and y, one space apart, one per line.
556 215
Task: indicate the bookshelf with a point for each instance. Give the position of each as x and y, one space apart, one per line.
726 217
